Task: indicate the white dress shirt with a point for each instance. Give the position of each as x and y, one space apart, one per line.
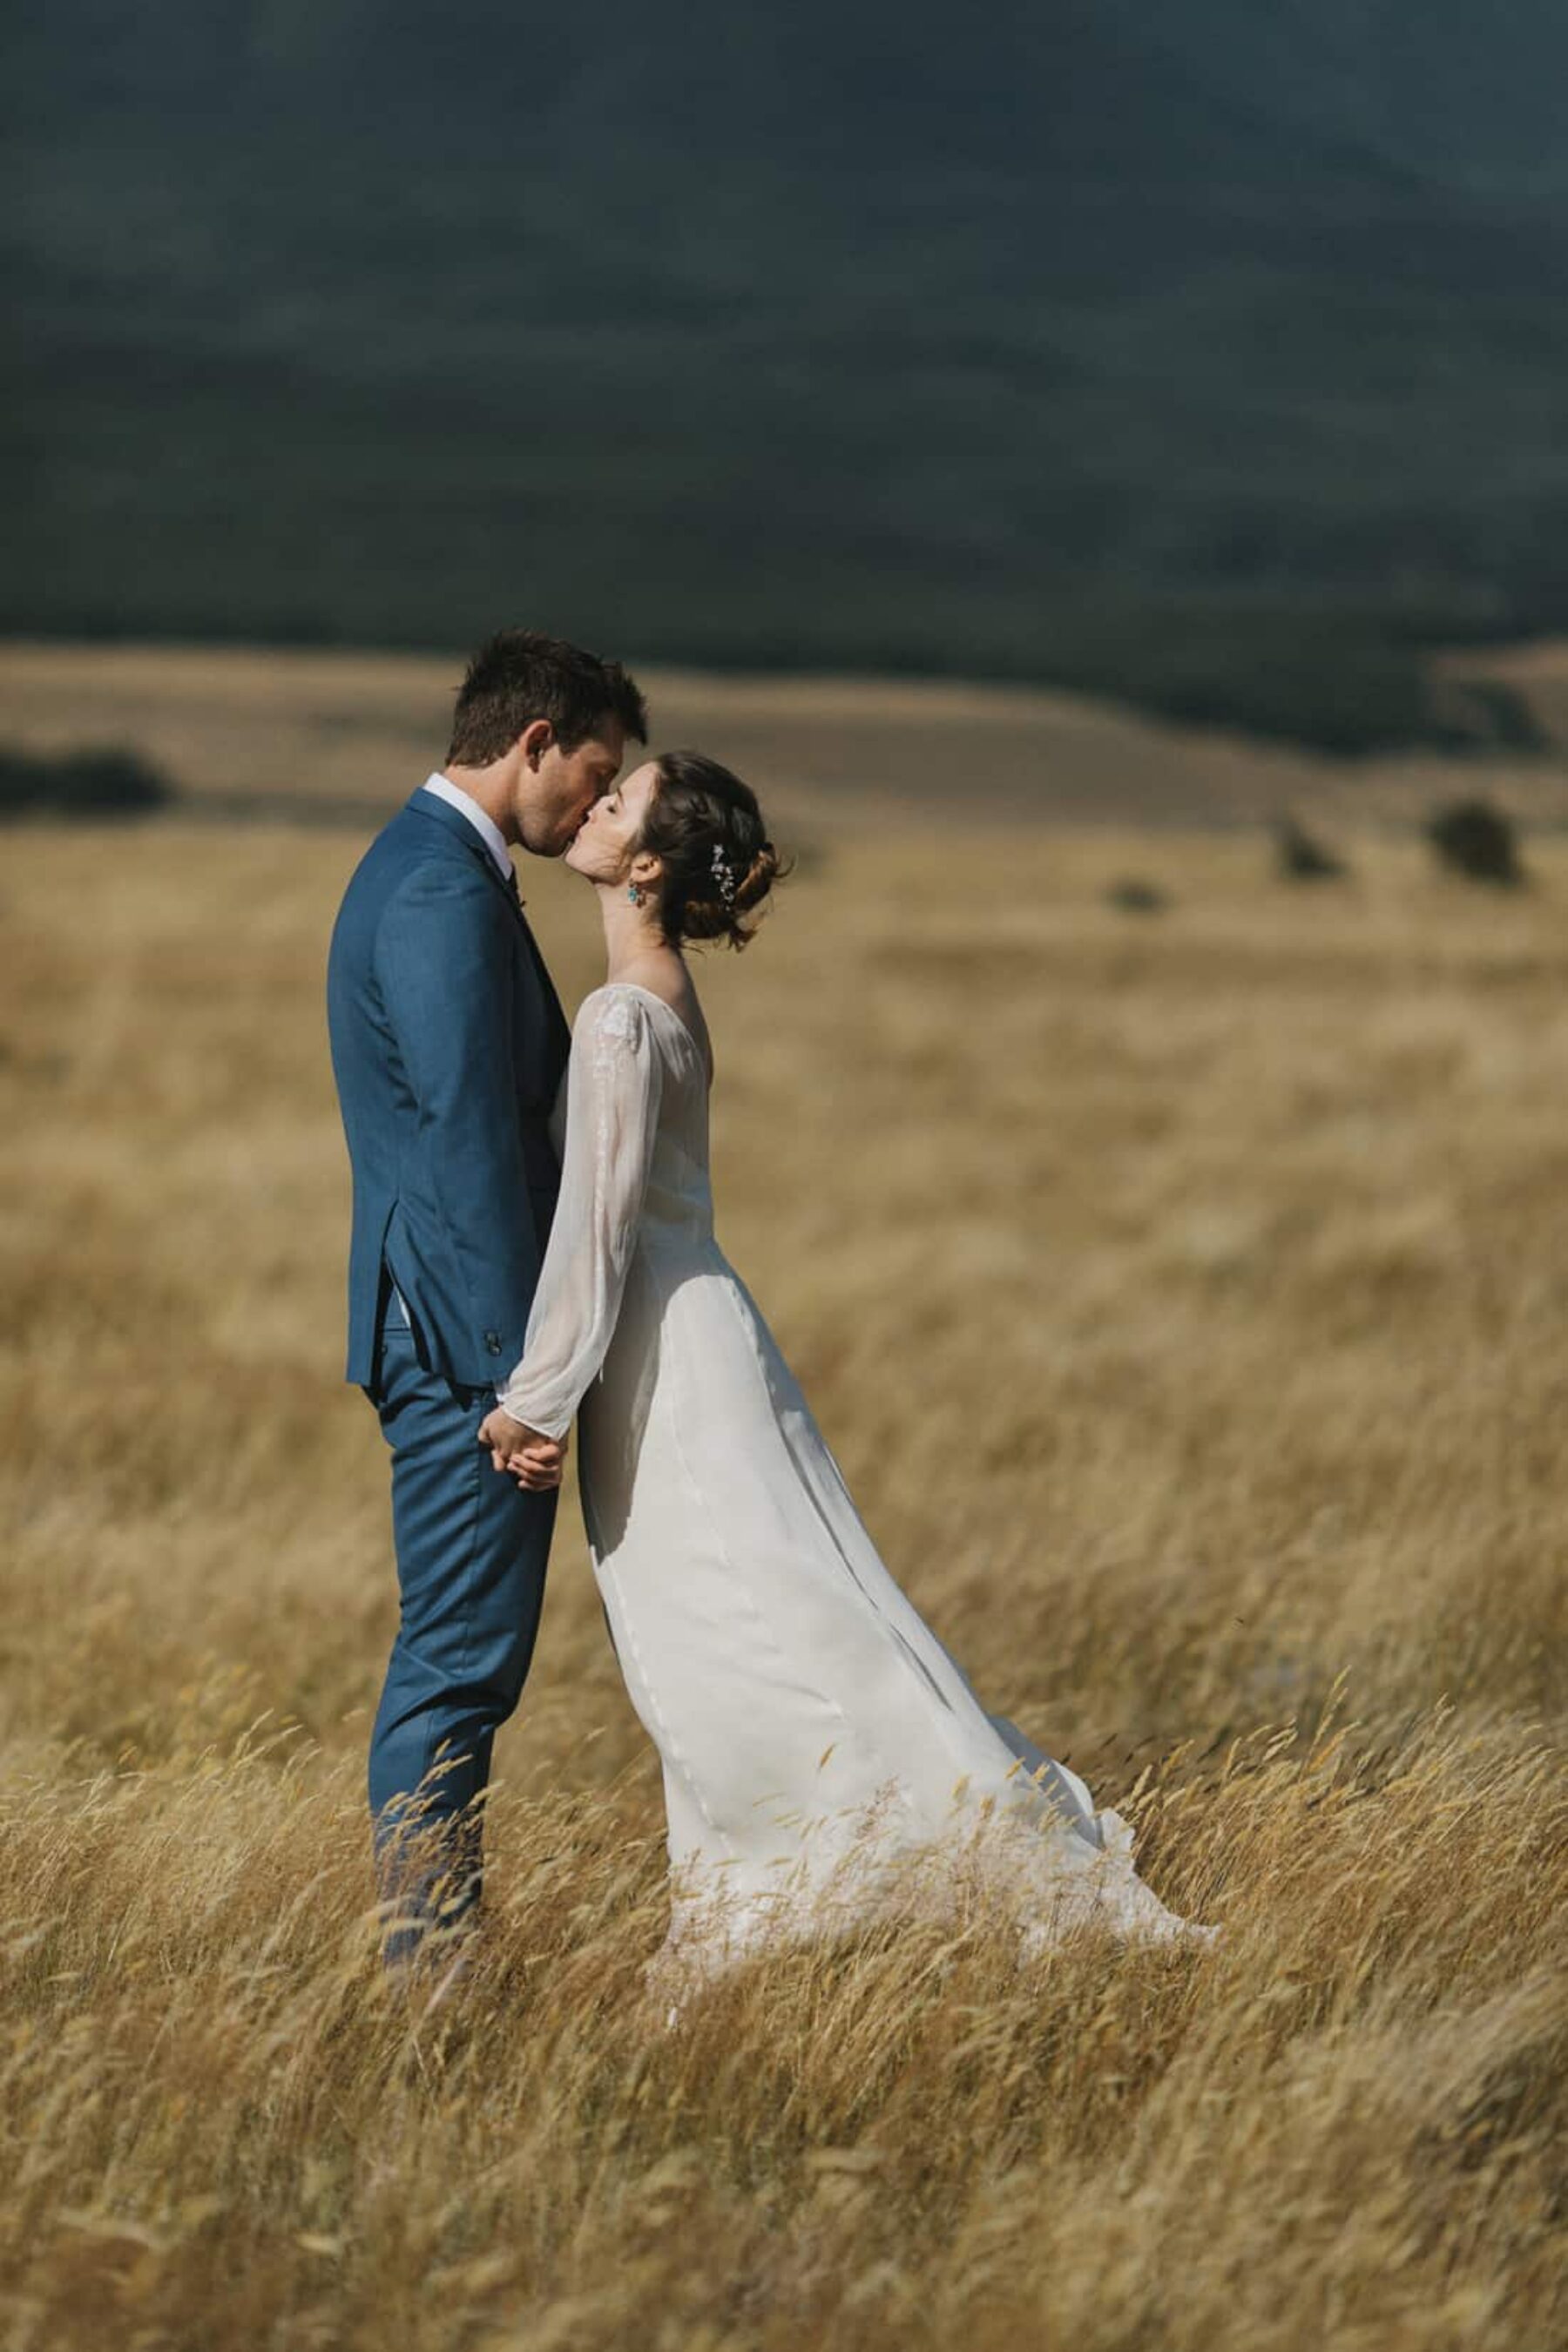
489 833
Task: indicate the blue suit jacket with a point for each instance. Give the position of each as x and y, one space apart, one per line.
448 1046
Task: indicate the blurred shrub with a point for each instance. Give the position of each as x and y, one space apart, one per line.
1134 897
1300 856
1476 839
98 785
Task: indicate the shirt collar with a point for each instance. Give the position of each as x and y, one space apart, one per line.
485 825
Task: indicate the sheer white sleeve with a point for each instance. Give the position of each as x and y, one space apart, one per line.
612 1121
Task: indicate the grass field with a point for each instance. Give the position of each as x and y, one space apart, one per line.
1185 1299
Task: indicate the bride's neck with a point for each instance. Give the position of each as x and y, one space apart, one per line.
631 936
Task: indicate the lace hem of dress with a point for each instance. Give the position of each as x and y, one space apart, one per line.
853 1872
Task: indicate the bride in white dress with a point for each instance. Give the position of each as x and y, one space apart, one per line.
823 1756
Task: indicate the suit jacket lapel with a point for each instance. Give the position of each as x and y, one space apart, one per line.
439 812
555 1019
442 813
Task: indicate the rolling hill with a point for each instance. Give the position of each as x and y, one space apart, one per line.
1213 364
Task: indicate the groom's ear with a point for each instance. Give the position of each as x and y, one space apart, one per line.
535 740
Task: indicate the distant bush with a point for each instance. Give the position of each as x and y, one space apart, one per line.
79 784
1300 857
1476 839
1135 896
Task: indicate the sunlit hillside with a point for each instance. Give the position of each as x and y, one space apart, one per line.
261 731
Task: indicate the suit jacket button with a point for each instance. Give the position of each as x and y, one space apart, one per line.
492 1341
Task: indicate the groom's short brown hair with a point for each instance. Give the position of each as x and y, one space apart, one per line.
518 676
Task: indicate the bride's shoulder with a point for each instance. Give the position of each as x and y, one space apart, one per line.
614 1012
608 995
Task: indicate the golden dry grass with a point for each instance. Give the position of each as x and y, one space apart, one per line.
1186 1301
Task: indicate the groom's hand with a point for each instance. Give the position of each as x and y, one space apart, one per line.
534 1460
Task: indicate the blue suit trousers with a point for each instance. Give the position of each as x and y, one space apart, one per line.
471 1552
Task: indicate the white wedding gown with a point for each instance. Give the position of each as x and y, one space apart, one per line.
824 1757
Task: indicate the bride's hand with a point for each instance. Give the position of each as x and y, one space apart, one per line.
534 1460
537 1474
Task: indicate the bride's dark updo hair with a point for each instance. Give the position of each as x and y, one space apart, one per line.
705 827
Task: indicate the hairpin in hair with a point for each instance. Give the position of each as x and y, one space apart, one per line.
724 875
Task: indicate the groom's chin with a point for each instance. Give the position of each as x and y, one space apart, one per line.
548 845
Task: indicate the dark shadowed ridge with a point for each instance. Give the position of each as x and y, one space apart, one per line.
837 340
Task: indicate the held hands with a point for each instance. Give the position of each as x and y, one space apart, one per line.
535 1462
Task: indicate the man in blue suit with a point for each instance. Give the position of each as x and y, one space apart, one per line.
448 1046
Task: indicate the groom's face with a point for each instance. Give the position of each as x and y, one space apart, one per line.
556 789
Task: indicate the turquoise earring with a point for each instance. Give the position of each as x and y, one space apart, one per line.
634 892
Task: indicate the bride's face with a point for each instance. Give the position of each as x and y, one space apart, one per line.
604 846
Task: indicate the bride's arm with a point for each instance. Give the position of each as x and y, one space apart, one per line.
612 1121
